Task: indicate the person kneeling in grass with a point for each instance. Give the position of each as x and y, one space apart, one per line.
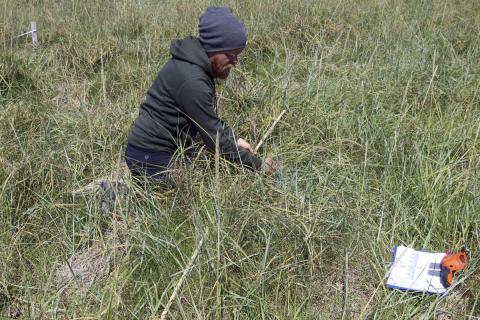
181 101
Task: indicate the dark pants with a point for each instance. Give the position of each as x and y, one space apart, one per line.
148 166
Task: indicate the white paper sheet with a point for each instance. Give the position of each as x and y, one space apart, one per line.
416 270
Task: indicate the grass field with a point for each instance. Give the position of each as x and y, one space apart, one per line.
380 146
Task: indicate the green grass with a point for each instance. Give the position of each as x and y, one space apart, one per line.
380 147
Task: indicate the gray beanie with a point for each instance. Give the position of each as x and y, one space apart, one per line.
220 30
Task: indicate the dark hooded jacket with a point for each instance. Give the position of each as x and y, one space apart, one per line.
181 103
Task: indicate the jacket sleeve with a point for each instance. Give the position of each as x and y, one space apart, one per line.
195 100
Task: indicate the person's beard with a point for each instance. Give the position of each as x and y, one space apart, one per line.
225 72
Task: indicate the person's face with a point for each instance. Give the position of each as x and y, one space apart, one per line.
222 62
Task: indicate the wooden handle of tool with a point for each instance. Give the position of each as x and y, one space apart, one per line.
269 131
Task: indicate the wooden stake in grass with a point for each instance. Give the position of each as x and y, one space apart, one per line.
269 131
33 30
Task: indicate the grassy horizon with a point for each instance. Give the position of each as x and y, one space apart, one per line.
380 146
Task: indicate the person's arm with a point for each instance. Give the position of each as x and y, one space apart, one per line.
195 101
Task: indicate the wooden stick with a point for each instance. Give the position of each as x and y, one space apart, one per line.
33 30
180 281
269 131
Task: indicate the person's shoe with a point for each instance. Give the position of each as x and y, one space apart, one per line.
111 192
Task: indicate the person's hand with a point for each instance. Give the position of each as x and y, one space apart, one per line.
269 166
245 145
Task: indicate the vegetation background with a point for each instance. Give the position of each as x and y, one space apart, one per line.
379 147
